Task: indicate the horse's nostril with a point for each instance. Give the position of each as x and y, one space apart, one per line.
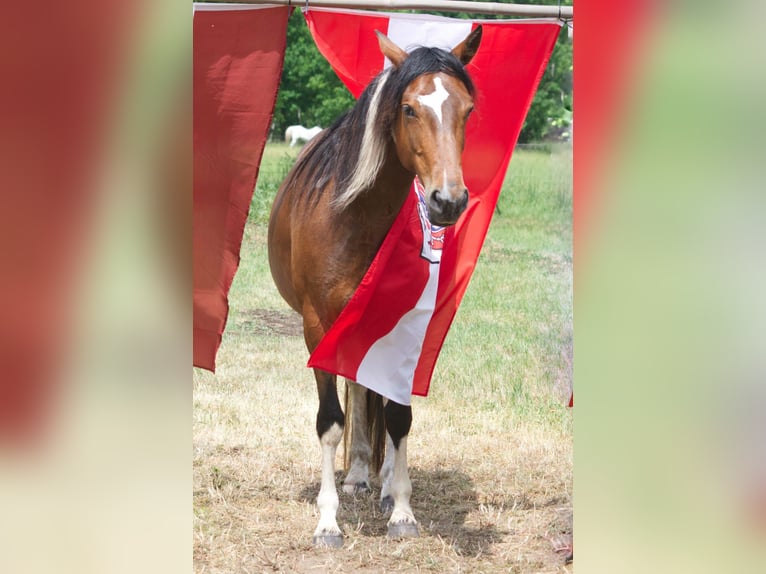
463 201
436 199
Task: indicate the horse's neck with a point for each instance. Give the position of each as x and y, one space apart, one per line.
379 205
371 215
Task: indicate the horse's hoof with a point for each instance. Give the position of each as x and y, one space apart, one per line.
328 540
403 530
387 504
357 488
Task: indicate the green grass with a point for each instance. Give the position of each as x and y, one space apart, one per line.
510 346
277 160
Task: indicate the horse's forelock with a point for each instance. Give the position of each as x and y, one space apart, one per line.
426 60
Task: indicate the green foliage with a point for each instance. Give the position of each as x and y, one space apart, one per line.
552 106
311 94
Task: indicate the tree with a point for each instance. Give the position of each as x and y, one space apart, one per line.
309 93
552 106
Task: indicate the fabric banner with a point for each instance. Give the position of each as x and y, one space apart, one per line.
238 55
389 336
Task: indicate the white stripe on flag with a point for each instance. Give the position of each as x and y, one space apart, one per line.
412 33
388 368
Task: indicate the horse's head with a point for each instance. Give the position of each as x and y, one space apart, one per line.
429 129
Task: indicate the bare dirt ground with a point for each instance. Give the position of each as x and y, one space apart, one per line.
491 490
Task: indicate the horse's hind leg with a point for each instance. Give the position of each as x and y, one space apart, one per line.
360 451
396 478
330 422
386 477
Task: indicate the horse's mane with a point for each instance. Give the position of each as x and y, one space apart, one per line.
352 150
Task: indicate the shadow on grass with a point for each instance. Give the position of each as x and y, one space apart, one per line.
442 498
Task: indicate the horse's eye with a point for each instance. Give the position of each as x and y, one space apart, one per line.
469 112
408 111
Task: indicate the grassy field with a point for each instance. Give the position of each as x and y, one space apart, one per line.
490 449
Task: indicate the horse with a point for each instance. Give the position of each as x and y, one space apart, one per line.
327 222
294 134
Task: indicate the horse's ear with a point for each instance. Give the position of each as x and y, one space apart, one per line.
466 50
391 50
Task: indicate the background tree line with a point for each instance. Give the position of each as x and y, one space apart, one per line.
311 94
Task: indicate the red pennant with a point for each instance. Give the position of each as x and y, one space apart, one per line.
506 71
238 57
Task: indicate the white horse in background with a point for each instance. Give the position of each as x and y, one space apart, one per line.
298 133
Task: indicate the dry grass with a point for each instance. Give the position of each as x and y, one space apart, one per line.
491 494
490 449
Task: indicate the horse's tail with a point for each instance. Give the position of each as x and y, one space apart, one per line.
287 133
376 429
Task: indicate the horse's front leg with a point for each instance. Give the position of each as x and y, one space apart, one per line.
360 451
330 422
397 487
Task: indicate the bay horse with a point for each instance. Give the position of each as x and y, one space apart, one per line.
328 220
294 134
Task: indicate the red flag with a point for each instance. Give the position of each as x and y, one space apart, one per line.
389 335
238 54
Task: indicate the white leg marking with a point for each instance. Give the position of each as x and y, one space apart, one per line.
360 449
435 100
327 501
402 523
387 470
401 487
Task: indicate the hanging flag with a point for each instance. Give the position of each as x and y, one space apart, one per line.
389 335
238 55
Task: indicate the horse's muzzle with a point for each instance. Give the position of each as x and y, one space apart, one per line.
445 212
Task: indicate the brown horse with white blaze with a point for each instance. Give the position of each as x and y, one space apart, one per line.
330 217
